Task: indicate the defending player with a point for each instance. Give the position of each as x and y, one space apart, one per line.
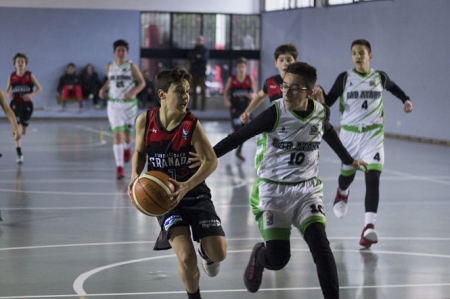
164 138
288 192
362 130
124 82
19 88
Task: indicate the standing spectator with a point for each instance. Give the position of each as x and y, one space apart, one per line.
198 58
90 84
21 87
69 86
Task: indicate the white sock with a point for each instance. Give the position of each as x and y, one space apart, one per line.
370 218
344 192
118 154
126 145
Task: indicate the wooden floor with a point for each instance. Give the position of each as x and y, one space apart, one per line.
70 231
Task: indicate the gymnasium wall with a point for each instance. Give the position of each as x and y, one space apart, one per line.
410 42
51 38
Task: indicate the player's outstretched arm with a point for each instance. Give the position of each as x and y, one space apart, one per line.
254 103
10 116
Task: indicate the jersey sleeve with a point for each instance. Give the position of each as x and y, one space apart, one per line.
393 88
265 88
331 137
337 89
264 122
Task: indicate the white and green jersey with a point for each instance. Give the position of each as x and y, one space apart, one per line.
361 103
290 152
121 80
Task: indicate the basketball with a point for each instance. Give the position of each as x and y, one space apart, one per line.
150 193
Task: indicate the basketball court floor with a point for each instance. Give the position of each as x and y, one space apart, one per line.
70 231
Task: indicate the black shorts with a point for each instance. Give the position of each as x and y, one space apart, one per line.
22 110
199 214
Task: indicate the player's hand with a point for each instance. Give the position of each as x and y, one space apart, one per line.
317 90
128 96
102 94
181 188
359 165
227 103
245 117
194 158
408 106
27 97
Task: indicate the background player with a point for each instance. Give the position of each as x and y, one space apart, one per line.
237 95
362 130
284 55
164 137
288 192
123 83
19 88
12 119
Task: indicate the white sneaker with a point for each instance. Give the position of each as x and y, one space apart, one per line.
340 204
19 159
369 236
211 268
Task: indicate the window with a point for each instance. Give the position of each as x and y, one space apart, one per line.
271 5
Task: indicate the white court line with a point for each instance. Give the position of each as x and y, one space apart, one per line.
80 280
89 129
62 192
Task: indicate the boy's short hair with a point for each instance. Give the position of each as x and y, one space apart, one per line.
166 78
364 43
20 55
71 64
120 43
305 71
241 60
286 49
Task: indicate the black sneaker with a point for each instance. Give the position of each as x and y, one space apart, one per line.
253 272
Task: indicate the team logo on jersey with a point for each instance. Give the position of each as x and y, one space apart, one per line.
125 69
171 220
282 132
314 130
273 86
372 83
350 84
185 134
154 130
268 218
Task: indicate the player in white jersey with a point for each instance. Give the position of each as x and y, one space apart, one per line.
124 82
288 192
362 131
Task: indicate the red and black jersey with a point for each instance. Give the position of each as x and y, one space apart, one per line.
168 151
21 85
239 92
272 87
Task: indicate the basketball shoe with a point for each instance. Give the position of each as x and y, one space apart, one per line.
211 268
340 204
369 236
254 271
120 173
19 159
126 155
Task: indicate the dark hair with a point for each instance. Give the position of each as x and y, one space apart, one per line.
305 71
20 55
164 79
286 49
241 60
120 43
364 43
71 64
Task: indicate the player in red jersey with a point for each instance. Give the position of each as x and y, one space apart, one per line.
164 138
284 56
237 95
20 89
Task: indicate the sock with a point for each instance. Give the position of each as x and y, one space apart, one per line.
195 295
118 154
126 145
344 192
370 217
19 151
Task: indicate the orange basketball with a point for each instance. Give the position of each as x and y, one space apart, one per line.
150 193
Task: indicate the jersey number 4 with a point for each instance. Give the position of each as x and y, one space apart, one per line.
365 105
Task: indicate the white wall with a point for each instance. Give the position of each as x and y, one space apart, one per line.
214 6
